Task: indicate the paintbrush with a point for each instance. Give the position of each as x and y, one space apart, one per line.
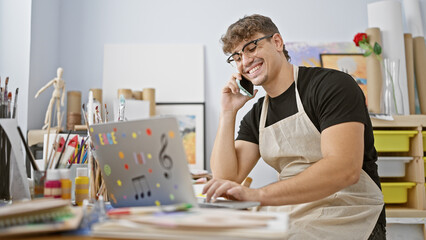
15 103
27 149
5 87
63 149
9 102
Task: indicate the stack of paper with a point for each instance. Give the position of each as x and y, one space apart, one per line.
196 224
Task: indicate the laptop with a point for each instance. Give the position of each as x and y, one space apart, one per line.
143 163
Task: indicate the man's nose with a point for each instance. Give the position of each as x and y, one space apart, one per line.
246 60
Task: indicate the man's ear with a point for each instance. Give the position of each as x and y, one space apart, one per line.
278 42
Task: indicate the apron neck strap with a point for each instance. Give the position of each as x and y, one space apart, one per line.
266 100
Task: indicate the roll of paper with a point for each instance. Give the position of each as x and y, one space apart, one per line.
148 94
137 95
413 17
374 73
74 101
409 59
387 16
127 93
419 49
97 94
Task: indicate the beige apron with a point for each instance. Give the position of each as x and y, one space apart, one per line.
294 144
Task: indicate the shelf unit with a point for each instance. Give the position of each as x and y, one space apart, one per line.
416 202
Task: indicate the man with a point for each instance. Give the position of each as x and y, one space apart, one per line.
312 127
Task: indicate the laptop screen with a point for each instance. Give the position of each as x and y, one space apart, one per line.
143 162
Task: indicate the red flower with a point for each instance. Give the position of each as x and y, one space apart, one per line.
361 41
360 37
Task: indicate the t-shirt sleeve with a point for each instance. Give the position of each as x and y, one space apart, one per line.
249 125
339 99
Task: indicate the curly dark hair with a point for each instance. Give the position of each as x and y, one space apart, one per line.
247 27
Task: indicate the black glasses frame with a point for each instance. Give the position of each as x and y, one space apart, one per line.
231 58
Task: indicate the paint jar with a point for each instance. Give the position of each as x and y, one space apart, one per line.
73 169
52 185
39 179
66 183
81 186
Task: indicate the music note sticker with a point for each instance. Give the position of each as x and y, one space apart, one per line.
139 158
141 186
165 160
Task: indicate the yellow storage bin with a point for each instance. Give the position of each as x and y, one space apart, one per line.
424 164
396 192
393 140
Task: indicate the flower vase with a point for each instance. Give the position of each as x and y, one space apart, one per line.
391 93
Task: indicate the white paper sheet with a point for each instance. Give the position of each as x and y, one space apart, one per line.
19 188
176 71
413 17
387 15
135 109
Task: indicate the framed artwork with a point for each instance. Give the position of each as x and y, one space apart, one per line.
352 64
191 123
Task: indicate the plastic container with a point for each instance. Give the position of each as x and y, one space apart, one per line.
392 166
393 140
81 186
52 185
66 183
396 192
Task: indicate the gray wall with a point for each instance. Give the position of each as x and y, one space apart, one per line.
71 34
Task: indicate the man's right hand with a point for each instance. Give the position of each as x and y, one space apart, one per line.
232 99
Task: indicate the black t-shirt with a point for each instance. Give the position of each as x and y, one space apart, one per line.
329 97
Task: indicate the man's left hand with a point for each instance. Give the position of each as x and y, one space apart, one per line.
231 190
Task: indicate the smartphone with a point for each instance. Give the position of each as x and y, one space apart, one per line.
245 86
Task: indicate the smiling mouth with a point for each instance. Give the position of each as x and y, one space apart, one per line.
253 70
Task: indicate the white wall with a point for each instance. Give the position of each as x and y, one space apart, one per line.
46 19
15 38
71 34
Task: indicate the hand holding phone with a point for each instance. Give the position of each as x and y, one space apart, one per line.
245 86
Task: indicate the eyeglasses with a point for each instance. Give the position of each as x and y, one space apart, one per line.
249 49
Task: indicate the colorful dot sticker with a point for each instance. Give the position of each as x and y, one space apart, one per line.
150 170
134 135
91 129
149 156
157 203
148 132
172 197
121 155
158 185
176 186
115 129
126 166
171 134
107 169
123 135
119 183
125 197
113 198
139 158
